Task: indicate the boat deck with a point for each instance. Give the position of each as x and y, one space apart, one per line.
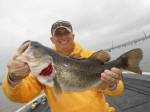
135 97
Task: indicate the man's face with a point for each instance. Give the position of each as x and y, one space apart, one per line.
63 40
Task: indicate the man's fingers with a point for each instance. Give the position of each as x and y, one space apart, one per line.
107 78
17 68
111 77
112 74
19 63
21 74
20 69
103 77
16 64
117 71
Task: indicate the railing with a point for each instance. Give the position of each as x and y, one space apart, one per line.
27 106
128 43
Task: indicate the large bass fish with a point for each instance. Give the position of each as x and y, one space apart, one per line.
72 74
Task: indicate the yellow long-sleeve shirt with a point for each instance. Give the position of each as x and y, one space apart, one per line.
85 101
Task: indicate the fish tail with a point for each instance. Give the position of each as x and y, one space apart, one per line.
130 60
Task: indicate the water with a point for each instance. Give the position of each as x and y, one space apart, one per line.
8 106
145 46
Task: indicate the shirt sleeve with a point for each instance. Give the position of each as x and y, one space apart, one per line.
12 83
119 89
24 91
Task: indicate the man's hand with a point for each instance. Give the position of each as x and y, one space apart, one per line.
110 78
17 70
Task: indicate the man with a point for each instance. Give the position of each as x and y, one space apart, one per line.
20 85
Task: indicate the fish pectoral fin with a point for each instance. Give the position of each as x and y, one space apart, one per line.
101 55
57 89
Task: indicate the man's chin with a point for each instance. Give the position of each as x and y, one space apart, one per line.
65 48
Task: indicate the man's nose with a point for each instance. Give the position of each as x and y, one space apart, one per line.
63 38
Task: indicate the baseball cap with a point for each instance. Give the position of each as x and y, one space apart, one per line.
61 24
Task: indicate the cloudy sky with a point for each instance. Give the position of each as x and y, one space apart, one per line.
96 23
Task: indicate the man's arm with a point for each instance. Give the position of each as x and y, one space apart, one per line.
117 91
27 86
113 78
24 91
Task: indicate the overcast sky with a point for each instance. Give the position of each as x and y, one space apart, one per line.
96 23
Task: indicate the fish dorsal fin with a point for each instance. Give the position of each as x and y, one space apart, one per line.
100 55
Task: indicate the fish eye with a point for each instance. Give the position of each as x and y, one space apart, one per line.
36 46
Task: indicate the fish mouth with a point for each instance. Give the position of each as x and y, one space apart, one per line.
47 71
24 48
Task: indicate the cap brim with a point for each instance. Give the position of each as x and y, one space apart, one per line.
61 27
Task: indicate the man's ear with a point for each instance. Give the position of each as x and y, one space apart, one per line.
52 39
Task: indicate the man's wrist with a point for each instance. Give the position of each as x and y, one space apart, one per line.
11 82
113 88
